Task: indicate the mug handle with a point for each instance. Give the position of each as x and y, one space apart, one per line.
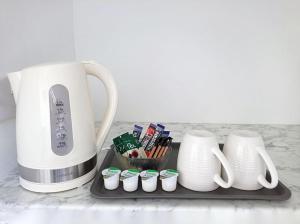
271 167
217 178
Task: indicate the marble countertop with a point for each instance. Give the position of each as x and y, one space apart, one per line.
282 143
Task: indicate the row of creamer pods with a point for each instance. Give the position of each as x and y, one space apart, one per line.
130 179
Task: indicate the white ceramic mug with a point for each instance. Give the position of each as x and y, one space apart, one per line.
199 162
248 158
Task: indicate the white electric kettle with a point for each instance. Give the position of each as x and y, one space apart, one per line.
56 139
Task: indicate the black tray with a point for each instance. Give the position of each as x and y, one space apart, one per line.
280 193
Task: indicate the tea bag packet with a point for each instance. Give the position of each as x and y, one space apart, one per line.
157 145
127 145
165 147
165 134
120 143
159 129
137 131
161 149
133 146
148 135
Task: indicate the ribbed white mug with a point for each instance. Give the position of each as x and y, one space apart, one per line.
245 151
199 162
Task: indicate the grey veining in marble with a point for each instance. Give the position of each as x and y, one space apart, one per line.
282 143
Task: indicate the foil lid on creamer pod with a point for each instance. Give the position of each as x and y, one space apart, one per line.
168 173
129 173
111 171
147 174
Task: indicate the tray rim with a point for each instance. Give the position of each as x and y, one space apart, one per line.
170 195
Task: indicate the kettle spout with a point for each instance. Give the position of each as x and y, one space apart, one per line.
15 80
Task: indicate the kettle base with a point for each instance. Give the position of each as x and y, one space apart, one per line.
57 187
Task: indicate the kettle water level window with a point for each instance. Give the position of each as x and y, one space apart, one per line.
60 120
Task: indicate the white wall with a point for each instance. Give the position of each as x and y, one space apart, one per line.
195 60
189 61
32 32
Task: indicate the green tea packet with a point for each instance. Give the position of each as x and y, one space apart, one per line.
126 143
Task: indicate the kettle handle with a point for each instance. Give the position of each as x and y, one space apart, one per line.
100 72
